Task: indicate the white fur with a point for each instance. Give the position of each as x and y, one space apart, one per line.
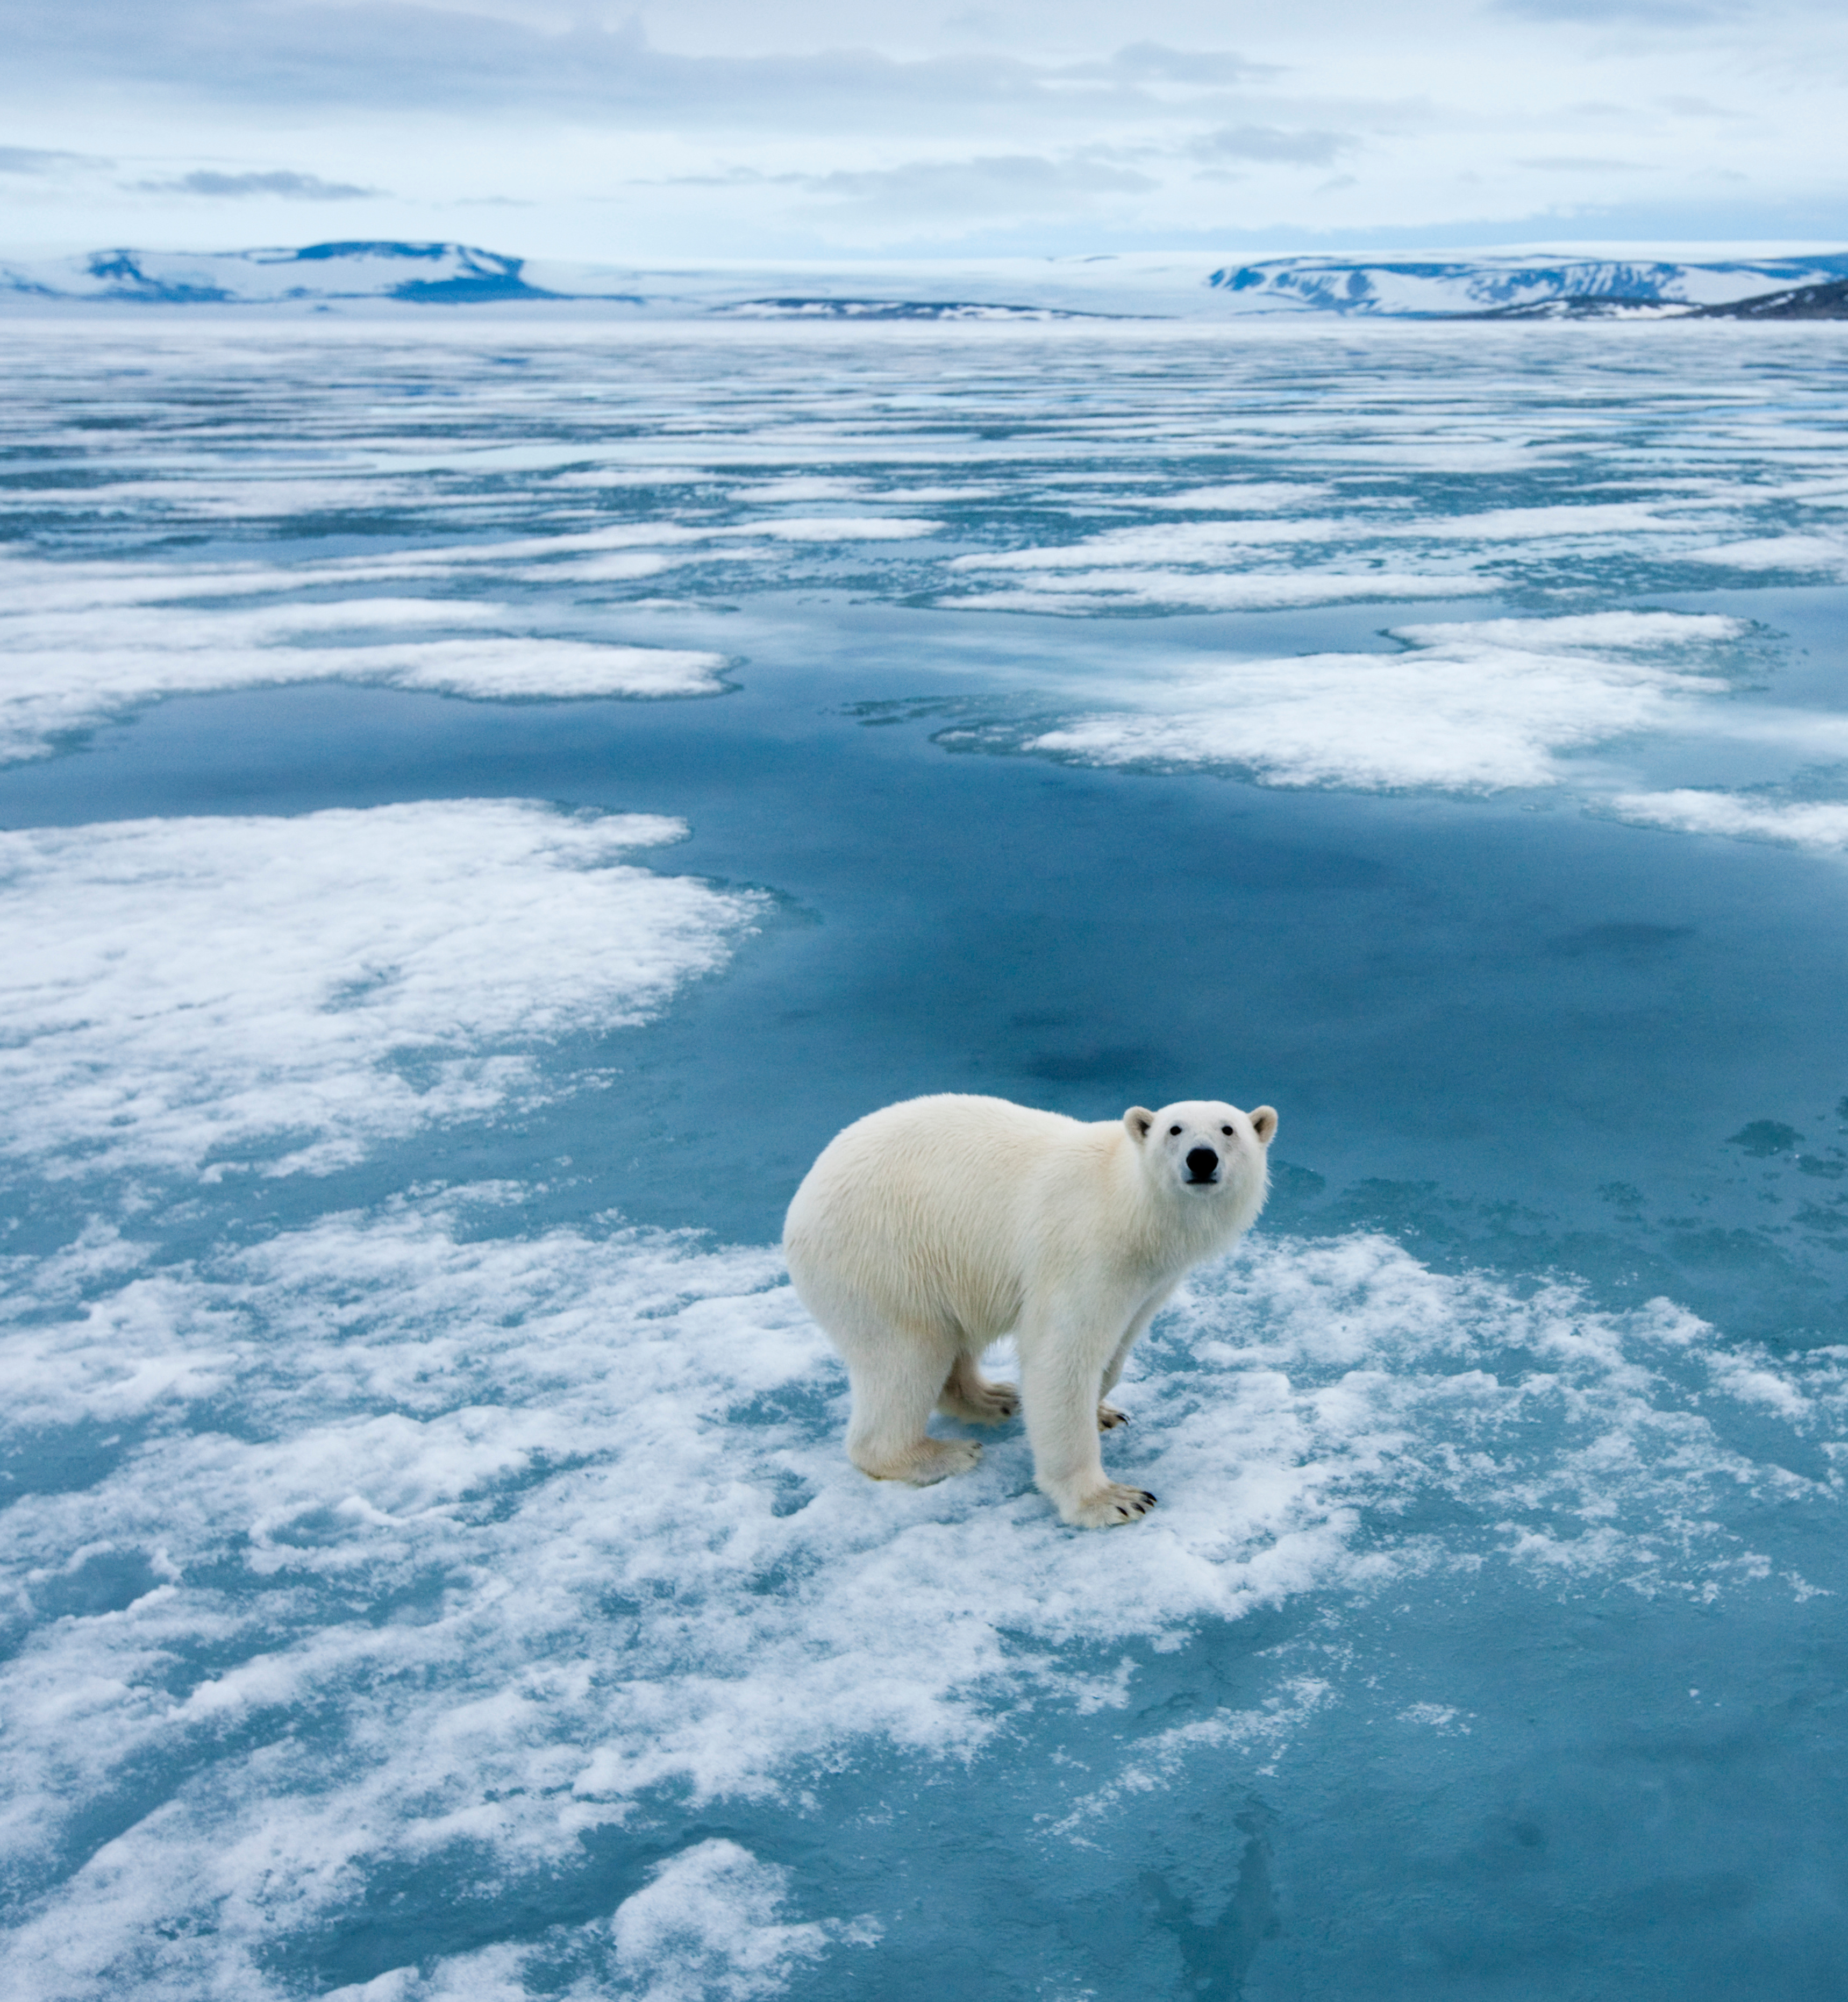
929 1229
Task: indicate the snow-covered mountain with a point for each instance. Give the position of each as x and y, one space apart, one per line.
428 272
1170 285
1827 300
1509 286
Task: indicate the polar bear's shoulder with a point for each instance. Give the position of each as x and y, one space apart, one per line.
966 1112
960 1126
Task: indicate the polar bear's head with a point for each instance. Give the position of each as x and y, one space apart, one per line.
1201 1146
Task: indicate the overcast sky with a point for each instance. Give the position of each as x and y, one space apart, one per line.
727 129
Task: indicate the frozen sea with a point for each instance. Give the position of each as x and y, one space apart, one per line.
484 802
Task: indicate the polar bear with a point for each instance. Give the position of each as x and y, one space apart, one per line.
926 1231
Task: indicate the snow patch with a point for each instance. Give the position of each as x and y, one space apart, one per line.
285 992
81 643
1746 817
1468 707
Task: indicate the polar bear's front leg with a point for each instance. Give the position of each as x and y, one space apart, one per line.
1061 1375
1109 1417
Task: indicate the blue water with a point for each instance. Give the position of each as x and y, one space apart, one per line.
435 1572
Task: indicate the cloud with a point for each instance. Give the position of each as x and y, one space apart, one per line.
1151 61
32 160
1581 163
1008 183
381 52
730 177
1033 135
1604 13
1272 143
292 187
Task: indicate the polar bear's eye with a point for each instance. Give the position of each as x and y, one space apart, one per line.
1173 1129
1226 1130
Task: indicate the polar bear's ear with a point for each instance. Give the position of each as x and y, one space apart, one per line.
1264 1123
1138 1121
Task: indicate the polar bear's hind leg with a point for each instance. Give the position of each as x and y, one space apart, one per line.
924 1463
897 1382
978 1400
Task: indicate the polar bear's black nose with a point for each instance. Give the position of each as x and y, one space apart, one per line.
1203 1164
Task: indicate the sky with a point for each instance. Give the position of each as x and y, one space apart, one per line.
727 130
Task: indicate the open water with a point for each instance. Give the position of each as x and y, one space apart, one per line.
484 804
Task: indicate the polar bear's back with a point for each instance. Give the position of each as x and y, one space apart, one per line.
924 1212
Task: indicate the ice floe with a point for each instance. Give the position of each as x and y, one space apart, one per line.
707 1924
551 1534
190 994
1466 706
1077 593
1254 496
1802 556
1818 823
1232 476
79 647
1230 564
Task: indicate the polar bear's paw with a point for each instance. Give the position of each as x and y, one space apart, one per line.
1109 1418
925 1464
1109 1506
978 1401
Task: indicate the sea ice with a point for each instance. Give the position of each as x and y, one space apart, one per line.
283 992
450 1599
1469 707
1819 824
80 645
551 1534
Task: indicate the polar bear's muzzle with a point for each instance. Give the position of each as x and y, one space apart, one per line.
1203 1165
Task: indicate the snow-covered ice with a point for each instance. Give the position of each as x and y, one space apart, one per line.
236 990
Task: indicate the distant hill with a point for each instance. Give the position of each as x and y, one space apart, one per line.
1508 288
1824 302
346 277
428 272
